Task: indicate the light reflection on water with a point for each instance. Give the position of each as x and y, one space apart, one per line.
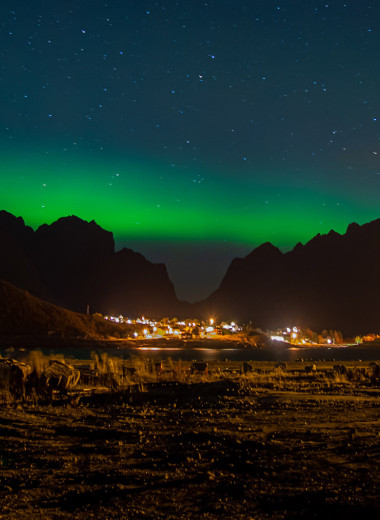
342 353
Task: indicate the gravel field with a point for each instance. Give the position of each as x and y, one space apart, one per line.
269 444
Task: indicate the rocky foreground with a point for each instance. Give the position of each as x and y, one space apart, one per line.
273 443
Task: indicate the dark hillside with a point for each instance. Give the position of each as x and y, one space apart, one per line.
24 314
331 282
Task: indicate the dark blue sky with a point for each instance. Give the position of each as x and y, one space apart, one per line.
193 130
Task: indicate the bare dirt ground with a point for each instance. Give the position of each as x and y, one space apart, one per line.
265 445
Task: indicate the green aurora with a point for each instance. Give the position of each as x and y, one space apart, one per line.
148 200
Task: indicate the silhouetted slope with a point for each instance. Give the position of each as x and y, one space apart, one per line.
16 263
23 314
73 263
129 284
332 282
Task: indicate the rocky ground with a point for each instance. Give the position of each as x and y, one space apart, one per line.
265 445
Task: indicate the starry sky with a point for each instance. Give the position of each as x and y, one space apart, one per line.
193 130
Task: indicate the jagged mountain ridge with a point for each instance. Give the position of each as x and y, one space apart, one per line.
73 263
331 282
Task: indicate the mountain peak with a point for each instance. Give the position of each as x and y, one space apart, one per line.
72 222
76 235
16 224
264 251
352 228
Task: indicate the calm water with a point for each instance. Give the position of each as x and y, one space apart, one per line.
347 353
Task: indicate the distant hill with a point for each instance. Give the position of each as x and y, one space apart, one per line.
24 314
331 282
73 263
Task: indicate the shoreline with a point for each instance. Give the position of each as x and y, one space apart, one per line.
30 341
204 349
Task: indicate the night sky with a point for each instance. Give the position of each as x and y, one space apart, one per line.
195 131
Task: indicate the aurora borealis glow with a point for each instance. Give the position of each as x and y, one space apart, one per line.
193 130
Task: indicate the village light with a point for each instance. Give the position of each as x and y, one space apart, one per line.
277 338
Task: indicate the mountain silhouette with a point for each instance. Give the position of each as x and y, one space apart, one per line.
331 282
73 263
